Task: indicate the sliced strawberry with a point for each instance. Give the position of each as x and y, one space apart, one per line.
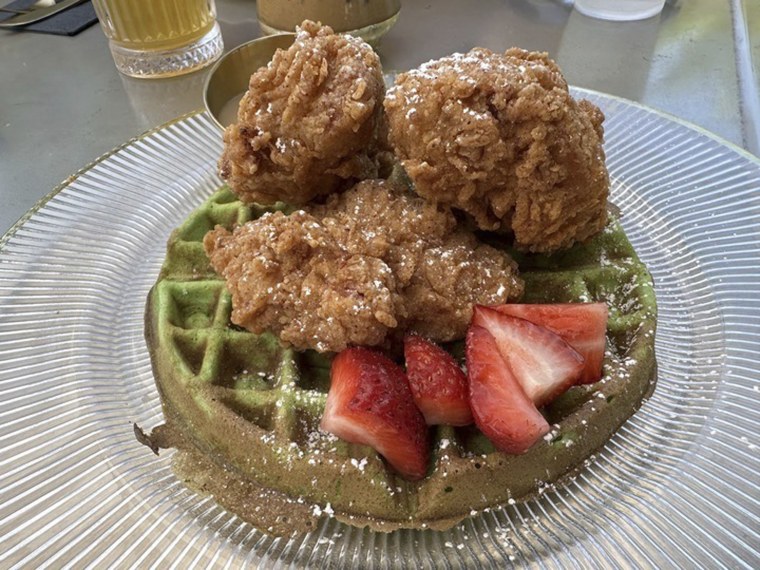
370 403
544 364
439 386
502 410
581 325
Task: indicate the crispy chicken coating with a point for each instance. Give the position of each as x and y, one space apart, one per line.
288 275
500 137
310 121
368 265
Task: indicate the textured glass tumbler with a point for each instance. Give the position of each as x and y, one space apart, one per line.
160 38
368 19
619 10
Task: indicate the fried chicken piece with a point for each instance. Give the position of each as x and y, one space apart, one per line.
310 121
451 278
500 137
288 275
442 271
385 221
368 265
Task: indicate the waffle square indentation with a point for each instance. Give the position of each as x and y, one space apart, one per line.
247 361
190 305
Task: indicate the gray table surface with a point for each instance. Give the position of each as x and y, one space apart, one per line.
63 104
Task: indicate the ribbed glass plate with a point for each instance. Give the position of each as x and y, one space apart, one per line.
677 486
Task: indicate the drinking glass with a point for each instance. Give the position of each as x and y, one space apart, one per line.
160 38
368 19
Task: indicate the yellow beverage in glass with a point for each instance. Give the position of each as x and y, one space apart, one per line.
155 38
369 19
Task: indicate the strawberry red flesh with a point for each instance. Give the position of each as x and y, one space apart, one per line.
370 403
581 325
543 364
502 410
439 386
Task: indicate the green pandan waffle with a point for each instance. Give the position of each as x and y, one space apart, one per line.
254 407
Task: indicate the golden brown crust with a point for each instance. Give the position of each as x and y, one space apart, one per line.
451 278
286 274
372 262
309 123
500 137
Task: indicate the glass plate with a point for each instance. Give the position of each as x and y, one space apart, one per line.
677 486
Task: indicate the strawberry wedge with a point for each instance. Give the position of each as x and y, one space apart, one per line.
439 386
581 325
370 403
502 410
542 363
